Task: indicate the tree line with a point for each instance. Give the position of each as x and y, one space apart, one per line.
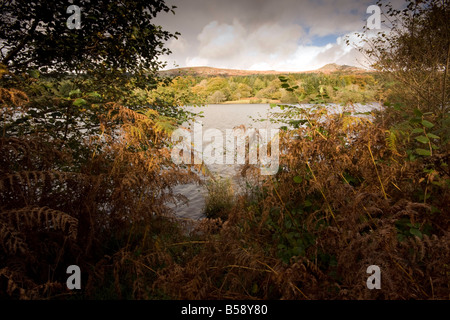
337 87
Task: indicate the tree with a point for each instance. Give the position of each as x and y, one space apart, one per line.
75 73
79 130
288 97
215 84
258 85
245 91
217 97
415 52
113 36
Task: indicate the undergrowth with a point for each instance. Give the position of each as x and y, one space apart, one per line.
342 200
350 192
98 206
345 197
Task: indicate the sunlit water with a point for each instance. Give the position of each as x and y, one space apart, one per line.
225 117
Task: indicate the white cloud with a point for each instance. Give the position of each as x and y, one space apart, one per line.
178 45
196 62
218 41
266 34
234 46
269 47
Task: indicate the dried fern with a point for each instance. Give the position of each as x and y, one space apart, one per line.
11 240
41 217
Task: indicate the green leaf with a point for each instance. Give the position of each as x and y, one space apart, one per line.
423 152
433 136
427 124
422 139
415 120
298 179
34 73
307 203
415 232
411 156
398 106
285 85
417 130
95 96
80 102
418 113
75 93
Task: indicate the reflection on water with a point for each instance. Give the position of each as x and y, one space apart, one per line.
224 117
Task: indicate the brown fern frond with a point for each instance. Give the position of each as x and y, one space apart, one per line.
13 97
44 217
29 178
11 240
120 112
13 283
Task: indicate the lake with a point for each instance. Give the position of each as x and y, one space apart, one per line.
229 116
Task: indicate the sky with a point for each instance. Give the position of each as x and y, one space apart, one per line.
282 35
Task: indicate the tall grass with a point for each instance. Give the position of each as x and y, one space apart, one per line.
220 198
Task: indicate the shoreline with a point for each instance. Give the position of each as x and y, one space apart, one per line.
251 101
278 102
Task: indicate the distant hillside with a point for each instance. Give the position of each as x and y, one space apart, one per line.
333 67
209 71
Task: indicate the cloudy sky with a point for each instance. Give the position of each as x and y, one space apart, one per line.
283 35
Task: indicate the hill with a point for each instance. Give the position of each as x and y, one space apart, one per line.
333 67
210 71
